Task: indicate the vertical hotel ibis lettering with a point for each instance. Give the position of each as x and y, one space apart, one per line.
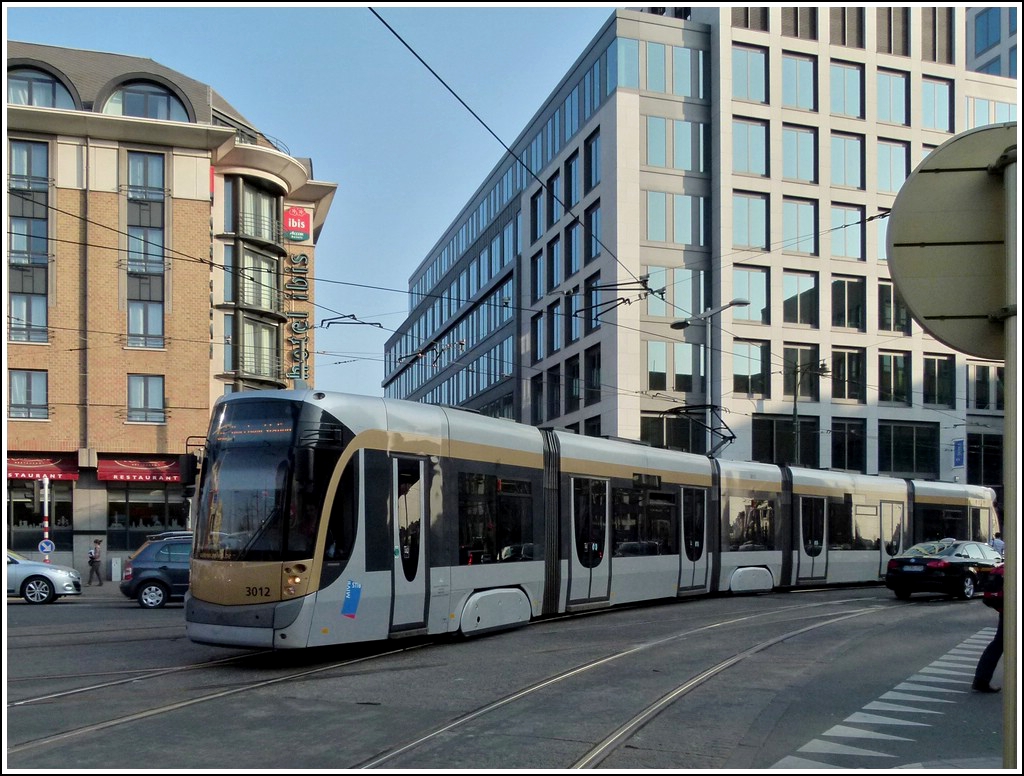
297 290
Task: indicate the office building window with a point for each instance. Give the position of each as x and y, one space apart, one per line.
939 381
657 366
893 158
573 315
893 314
146 399
573 248
849 451
847 89
908 449
750 147
536 215
848 161
772 441
846 27
800 226
555 329
799 82
986 30
847 234
750 221
751 365
592 233
849 375
537 337
800 154
690 147
801 371
572 384
555 266
751 283
592 371
881 223
749 74
657 141
656 67
592 161
848 302
980 396
592 297
800 23
657 283
936 103
537 399
28 394
892 97
657 230
892 30
554 189
690 72
572 180
800 298
689 367
554 393
537 277
985 459
894 378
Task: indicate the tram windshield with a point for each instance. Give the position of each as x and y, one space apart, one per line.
250 505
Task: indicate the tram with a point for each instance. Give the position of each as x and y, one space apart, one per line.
327 518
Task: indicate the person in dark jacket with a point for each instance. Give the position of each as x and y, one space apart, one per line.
993 597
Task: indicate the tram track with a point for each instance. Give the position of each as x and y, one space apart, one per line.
614 740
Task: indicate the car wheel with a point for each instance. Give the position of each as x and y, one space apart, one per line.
152 595
967 587
38 590
902 593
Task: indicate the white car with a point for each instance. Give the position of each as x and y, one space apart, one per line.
40 583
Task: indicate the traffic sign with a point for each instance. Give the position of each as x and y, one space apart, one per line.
947 241
46 546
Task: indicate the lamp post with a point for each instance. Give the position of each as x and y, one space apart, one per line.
819 370
706 317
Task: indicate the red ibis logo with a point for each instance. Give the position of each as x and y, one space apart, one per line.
296 224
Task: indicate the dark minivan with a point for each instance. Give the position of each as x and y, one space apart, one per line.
158 571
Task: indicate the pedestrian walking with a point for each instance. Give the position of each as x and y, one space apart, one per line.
998 544
94 562
993 597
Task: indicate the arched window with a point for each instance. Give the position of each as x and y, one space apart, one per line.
28 86
145 100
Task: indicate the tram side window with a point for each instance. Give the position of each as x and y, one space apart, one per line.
643 523
751 523
866 528
693 522
840 525
941 523
341 531
495 520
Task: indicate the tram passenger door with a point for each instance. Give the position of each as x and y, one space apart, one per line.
589 556
812 555
693 569
410 528
893 533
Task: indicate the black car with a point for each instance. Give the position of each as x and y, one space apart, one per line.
158 571
947 566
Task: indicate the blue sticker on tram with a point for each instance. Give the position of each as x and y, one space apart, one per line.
352 592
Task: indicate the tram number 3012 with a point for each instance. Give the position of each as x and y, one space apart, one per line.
257 592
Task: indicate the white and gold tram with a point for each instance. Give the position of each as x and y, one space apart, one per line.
326 518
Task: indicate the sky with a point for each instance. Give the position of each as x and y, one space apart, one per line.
334 84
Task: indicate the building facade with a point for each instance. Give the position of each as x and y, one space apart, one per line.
689 247
992 40
160 254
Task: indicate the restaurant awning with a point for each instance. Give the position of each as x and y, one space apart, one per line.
126 469
35 467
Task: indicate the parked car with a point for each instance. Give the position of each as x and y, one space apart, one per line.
158 571
40 583
948 566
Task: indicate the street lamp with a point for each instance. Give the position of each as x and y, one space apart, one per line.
706 317
818 370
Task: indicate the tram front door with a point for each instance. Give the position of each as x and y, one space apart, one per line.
410 530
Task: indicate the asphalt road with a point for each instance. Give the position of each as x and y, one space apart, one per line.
848 679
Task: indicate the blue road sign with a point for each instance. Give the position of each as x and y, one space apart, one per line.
46 546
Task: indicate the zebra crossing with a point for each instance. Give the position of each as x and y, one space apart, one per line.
879 735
